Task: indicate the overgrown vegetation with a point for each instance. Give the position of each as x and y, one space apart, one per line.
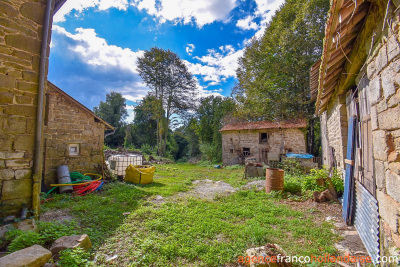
122 221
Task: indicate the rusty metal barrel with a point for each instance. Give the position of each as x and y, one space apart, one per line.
274 179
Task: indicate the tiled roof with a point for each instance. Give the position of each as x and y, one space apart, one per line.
260 125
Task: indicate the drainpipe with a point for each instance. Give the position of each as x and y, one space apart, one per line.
37 162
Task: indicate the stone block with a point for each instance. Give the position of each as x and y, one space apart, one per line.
371 70
20 99
11 155
389 119
30 125
6 143
381 106
18 163
375 90
380 174
374 118
33 256
393 184
23 174
16 189
30 76
393 48
389 210
395 65
21 110
24 43
7 81
8 11
33 11
6 98
394 156
16 125
388 80
28 87
380 145
381 60
70 242
6 174
394 100
24 142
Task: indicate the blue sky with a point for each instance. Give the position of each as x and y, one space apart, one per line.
96 43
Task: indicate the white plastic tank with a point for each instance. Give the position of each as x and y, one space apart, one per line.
119 163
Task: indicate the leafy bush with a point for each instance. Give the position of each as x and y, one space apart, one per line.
293 184
147 149
310 181
76 257
292 167
337 182
50 231
234 167
22 239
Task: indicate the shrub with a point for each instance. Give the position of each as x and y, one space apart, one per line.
76 257
22 239
234 167
147 149
50 231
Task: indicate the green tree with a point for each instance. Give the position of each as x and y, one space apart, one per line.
113 111
210 114
273 74
144 128
171 84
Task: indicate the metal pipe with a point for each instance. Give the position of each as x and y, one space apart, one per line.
37 168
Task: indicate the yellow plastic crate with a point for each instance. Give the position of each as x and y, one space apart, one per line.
140 174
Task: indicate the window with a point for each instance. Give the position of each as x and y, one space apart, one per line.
246 151
73 149
263 138
231 151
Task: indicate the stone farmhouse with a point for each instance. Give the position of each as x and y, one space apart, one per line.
266 141
25 34
356 87
73 135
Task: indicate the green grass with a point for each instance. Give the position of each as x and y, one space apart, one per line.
193 231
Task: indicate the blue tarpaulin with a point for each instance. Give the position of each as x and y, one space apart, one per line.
299 156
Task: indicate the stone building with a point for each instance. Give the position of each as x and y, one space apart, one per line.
25 30
356 83
73 135
262 140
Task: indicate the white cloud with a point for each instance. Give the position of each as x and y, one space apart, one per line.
266 9
218 64
247 23
81 5
130 107
186 11
95 51
190 48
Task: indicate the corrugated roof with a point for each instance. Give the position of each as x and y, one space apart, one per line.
73 100
261 125
346 18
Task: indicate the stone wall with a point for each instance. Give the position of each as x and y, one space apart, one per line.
334 122
67 123
292 140
20 41
383 71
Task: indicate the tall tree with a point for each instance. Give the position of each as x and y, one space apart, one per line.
171 84
144 127
273 73
210 114
113 111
